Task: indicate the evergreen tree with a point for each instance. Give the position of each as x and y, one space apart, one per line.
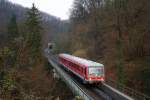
33 36
13 34
2 1
12 27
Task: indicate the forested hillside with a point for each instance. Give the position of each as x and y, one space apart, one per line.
24 73
51 24
117 34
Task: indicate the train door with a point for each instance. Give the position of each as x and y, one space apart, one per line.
85 73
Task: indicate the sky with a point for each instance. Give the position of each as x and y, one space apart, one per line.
59 8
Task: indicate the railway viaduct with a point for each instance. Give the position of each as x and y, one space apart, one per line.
99 92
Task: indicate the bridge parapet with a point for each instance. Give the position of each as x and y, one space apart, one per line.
128 91
114 93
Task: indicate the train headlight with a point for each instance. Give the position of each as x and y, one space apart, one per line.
90 79
102 79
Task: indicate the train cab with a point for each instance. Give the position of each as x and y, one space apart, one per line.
95 74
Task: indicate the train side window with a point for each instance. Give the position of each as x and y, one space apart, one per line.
72 65
69 64
81 69
85 71
78 67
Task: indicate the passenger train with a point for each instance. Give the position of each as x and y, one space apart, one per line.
88 71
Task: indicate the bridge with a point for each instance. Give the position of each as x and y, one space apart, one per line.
100 92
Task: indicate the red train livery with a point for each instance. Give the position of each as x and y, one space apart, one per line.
89 71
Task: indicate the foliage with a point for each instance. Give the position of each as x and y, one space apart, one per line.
81 53
78 98
6 56
115 32
13 28
6 80
20 46
33 36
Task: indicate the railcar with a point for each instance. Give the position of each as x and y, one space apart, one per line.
88 71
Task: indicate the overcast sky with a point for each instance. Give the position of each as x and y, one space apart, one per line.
59 8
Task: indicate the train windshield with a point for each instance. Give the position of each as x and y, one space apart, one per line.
95 71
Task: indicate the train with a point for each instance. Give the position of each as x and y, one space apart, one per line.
88 71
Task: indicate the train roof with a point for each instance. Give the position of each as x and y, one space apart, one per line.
81 60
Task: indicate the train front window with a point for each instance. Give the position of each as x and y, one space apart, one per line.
95 71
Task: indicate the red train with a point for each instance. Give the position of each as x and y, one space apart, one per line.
89 71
